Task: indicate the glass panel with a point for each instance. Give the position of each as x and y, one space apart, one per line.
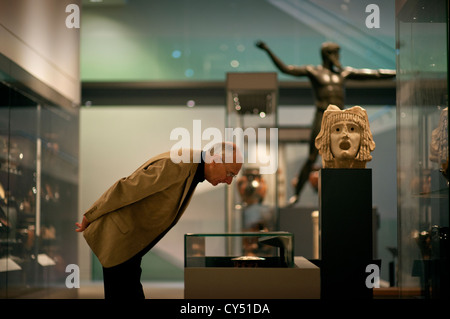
59 191
264 249
18 179
422 102
251 124
4 234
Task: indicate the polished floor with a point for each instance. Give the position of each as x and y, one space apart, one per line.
175 290
154 290
167 290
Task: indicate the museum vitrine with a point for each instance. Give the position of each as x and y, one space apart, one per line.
251 122
38 193
245 265
240 249
422 148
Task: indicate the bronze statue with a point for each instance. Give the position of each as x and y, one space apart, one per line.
327 81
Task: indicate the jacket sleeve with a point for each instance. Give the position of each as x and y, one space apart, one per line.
149 179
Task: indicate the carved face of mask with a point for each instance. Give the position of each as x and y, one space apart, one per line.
345 140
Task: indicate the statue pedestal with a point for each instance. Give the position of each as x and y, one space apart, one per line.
345 217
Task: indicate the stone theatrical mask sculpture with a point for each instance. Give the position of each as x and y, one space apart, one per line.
345 139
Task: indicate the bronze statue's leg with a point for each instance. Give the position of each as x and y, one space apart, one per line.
305 171
313 153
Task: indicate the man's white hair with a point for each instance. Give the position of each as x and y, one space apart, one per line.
228 151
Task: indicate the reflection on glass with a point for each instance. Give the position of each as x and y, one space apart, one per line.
257 216
439 144
422 100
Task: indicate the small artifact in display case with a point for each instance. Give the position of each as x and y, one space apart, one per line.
345 139
247 261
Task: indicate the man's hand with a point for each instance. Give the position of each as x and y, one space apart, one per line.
81 227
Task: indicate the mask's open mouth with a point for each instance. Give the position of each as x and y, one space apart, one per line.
344 145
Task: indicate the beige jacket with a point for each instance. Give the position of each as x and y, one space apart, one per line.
137 209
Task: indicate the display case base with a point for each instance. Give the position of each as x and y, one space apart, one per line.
299 282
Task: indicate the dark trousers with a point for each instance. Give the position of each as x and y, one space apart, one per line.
124 280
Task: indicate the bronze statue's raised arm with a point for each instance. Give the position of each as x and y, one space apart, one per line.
287 69
367 74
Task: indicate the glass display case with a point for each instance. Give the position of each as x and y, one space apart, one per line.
251 122
422 149
38 193
247 265
248 249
